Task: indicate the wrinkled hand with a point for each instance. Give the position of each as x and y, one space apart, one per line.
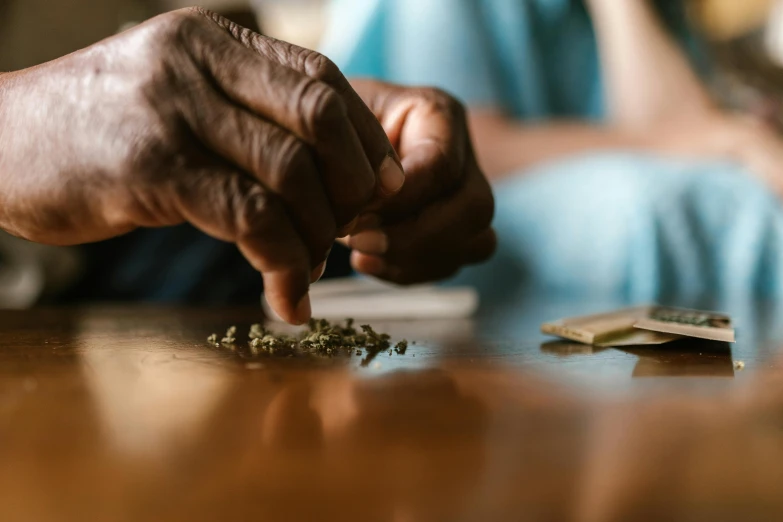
441 219
190 117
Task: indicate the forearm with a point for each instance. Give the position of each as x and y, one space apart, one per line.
5 147
505 146
648 77
24 111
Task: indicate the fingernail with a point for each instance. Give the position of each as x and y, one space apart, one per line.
369 265
392 177
318 273
370 242
303 310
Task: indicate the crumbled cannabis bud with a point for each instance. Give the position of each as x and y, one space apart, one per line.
257 331
739 365
321 338
230 337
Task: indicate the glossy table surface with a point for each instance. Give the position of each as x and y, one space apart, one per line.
127 414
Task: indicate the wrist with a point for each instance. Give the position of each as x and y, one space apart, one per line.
6 145
3 147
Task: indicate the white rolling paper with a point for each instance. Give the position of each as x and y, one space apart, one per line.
369 299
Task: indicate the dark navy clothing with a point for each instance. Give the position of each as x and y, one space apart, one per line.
173 265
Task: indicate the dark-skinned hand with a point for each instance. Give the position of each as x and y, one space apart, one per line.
441 219
191 118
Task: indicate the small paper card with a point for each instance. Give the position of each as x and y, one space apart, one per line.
689 323
643 325
608 329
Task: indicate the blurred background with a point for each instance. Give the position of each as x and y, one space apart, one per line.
746 35
740 64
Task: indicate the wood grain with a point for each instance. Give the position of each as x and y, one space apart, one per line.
126 414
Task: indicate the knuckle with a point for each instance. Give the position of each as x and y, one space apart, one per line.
294 168
445 102
455 108
446 169
321 68
251 210
322 110
178 26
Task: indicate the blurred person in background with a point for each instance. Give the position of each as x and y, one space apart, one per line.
189 154
616 170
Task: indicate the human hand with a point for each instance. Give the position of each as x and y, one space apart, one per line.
441 219
189 117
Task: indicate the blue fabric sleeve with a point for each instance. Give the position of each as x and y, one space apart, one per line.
534 59
440 43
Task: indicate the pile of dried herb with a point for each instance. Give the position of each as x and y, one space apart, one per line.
322 338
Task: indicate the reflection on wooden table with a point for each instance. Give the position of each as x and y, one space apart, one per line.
127 414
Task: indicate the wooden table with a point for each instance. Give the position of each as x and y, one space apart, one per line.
126 414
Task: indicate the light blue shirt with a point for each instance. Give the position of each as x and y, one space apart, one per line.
617 225
533 58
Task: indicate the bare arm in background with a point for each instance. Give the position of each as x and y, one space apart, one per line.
652 89
647 77
656 103
505 145
644 72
